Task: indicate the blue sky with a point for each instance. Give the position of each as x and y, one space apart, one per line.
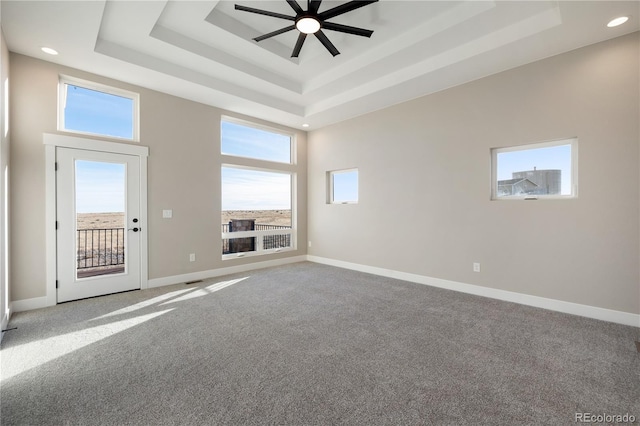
345 186
249 142
556 157
244 189
100 187
97 112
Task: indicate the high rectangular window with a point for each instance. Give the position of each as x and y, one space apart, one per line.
95 109
543 170
343 186
250 141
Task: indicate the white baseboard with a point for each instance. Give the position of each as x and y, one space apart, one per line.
43 302
603 314
201 275
30 304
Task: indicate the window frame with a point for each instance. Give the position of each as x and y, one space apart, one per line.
261 165
331 185
264 128
572 141
64 80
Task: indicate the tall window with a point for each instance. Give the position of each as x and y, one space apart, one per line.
95 109
544 170
258 214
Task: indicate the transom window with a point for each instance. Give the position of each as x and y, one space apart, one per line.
543 170
95 109
252 141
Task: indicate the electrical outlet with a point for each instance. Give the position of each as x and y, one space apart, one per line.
309 244
192 257
476 267
167 214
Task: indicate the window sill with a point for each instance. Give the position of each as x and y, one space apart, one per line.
246 254
536 198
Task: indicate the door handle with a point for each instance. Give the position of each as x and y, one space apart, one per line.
135 229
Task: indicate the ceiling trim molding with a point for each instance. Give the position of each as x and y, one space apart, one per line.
206 51
156 64
245 32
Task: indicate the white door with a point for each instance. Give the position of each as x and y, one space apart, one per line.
98 223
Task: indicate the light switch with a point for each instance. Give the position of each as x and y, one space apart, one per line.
167 214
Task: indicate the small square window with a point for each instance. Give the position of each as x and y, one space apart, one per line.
343 186
95 109
544 170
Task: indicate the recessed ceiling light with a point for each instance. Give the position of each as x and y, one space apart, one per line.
305 125
49 50
618 21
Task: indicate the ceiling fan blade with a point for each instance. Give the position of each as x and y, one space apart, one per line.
344 8
295 6
275 33
298 46
264 12
346 29
325 41
314 5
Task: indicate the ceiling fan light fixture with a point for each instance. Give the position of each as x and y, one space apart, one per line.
308 25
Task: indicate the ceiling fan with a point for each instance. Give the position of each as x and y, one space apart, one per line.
311 21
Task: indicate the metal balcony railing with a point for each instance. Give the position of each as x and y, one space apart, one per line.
100 247
269 241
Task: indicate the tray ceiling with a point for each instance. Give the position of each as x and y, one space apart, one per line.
203 50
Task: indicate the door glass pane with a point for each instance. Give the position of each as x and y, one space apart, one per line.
100 217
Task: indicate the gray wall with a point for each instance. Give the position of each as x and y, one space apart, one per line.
424 170
184 175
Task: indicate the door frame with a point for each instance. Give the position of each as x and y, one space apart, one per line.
53 141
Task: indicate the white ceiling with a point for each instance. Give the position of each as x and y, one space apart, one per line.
202 50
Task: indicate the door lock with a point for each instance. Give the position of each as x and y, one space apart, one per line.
135 229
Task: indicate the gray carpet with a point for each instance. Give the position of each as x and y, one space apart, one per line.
308 344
